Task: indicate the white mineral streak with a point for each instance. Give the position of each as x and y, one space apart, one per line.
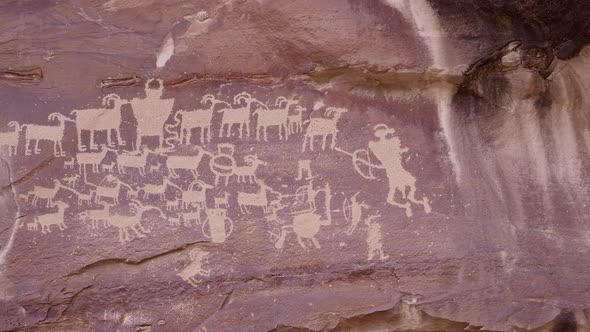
166 51
426 23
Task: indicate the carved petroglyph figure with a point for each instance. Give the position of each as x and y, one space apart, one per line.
151 113
388 151
353 212
222 164
127 223
54 134
324 128
304 170
72 180
201 119
81 197
153 168
306 224
69 163
277 117
10 139
222 201
195 268
173 205
214 227
44 193
107 118
239 116
45 221
295 121
101 192
248 172
196 195
158 190
109 168
92 159
187 163
374 239
96 217
135 161
188 217
257 199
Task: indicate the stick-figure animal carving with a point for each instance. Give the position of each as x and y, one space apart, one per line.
107 118
277 117
388 151
44 193
93 159
188 217
222 201
195 268
96 217
196 195
199 119
54 134
108 168
151 113
10 139
82 197
374 238
257 199
109 192
306 224
71 180
158 190
137 161
323 127
69 163
353 212
248 172
172 205
238 116
127 223
188 163
295 121
45 221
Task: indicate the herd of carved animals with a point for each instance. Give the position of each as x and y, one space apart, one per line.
189 206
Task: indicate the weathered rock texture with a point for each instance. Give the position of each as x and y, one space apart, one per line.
258 165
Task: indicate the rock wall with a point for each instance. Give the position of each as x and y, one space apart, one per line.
307 165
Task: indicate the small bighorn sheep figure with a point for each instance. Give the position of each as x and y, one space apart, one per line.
10 139
323 127
54 134
195 267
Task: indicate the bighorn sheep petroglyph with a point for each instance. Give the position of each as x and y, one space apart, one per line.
238 116
45 221
10 139
199 119
54 134
277 117
323 127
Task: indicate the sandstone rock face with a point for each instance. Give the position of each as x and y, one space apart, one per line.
260 165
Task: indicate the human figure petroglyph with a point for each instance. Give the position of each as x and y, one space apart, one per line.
239 116
388 151
275 117
45 221
196 195
295 121
10 139
248 172
257 199
304 170
201 119
97 217
353 212
151 113
107 118
214 227
195 268
222 201
136 161
306 224
323 127
127 223
374 239
54 134
44 193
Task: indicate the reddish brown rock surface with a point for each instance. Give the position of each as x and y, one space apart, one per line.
294 165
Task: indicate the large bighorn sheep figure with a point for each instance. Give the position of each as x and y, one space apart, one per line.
201 119
323 127
10 139
238 116
277 117
106 119
55 134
